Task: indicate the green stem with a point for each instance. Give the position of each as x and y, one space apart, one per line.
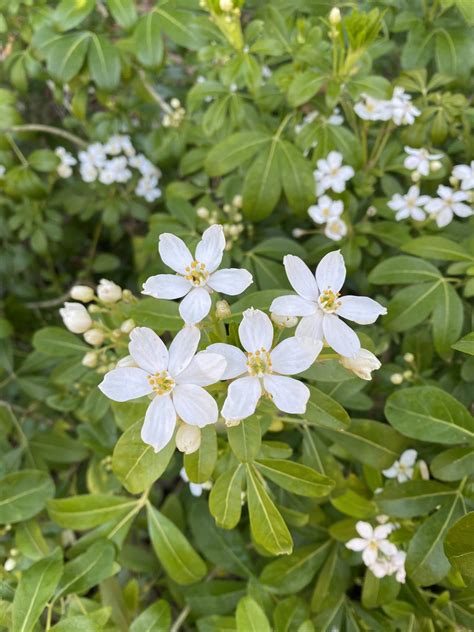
167 109
16 149
47 129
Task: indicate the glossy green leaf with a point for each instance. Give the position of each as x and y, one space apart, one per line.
66 55
401 270
466 344
413 498
296 478
70 13
155 618
225 498
322 410
448 317
453 464
88 510
23 495
297 178
245 439
148 40
437 248
262 184
200 464
411 306
459 545
250 617
104 63
233 151
88 569
123 12
55 341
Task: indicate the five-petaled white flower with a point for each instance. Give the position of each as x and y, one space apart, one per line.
325 210
465 174
332 174
196 276
372 541
263 369
371 109
318 301
409 205
404 468
419 160
174 378
448 204
403 110
335 229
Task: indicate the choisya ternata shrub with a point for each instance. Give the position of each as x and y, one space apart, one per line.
265 425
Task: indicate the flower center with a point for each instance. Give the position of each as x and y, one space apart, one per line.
334 171
328 301
326 211
259 363
161 383
197 274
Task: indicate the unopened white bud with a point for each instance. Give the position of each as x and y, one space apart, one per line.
82 293
453 181
396 378
223 309
202 212
424 471
436 165
188 438
90 360
75 317
335 16
175 103
237 201
415 176
284 322
409 358
108 291
94 337
127 326
226 5
371 211
230 423
362 365
298 232
407 375
10 564
227 208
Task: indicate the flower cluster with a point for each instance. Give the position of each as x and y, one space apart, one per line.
403 469
66 162
175 116
233 225
328 212
420 162
380 555
399 109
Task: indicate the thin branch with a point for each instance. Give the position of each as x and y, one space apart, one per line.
154 94
47 129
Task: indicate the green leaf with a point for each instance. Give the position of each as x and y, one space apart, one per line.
437 248
123 12
262 184
200 464
245 439
148 41
428 413
233 151
448 317
65 56
88 510
296 478
331 584
43 160
322 410
411 306
303 87
136 464
413 498
250 617
158 314
88 569
466 9
104 63
70 13
177 556
377 592
183 27
459 545
297 178
55 341
426 561
225 498
155 618
268 527
466 344
400 270
23 495
453 464
36 587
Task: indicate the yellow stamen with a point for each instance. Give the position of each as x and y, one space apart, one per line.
161 383
259 363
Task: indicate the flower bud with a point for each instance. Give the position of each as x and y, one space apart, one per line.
223 309
108 291
230 423
407 375
175 103
436 165
298 232
202 212
362 365
396 378
335 16
453 181
415 176
188 438
237 201
226 5
90 360
82 293
94 337
10 564
227 208
371 211
409 358
276 425
127 326
423 469
284 322
126 295
75 317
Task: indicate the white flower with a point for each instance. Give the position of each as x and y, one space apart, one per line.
404 468
332 174
335 16
75 317
115 170
448 204
144 166
196 489
403 110
88 172
372 541
119 143
2 171
263 370
196 276
419 160
325 209
409 205
67 160
147 187
108 291
370 109
266 72
363 364
318 302
465 173
336 118
82 293
335 229
174 377
64 171
94 154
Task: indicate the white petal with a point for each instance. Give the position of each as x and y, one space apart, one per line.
331 272
195 489
148 350
382 531
194 405
182 349
256 330
360 309
364 529
292 305
236 359
242 398
230 281
369 556
174 252
124 384
295 355
301 278
160 422
388 548
462 210
356 544
209 250
167 286
195 306
391 472
204 369
340 336
288 394
311 326
408 457
444 217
